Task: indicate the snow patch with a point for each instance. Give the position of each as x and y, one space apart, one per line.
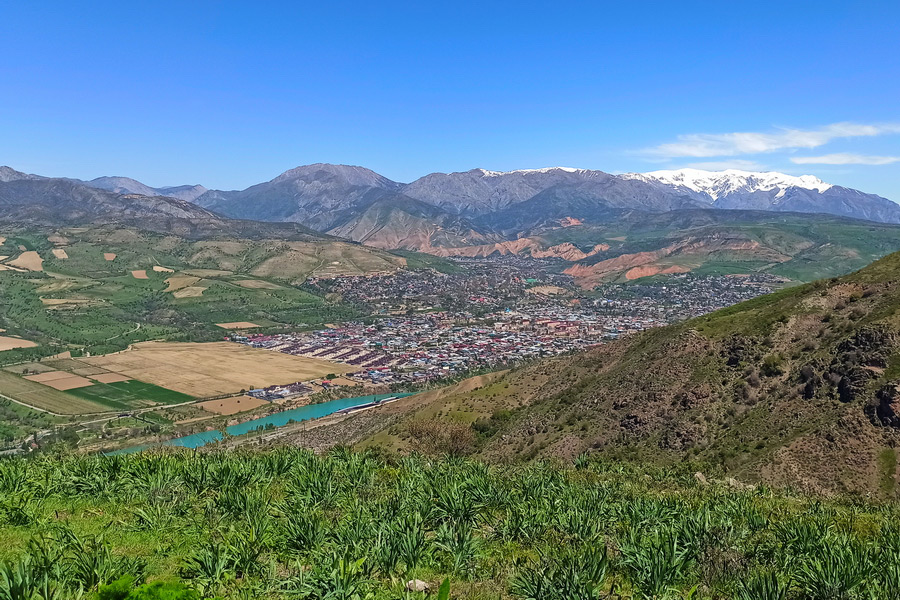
717 184
487 173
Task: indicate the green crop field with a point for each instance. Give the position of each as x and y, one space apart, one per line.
45 397
288 524
129 394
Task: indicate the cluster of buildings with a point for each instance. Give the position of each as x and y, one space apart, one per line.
487 284
427 325
425 347
275 393
682 296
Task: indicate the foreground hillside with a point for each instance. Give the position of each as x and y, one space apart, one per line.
288 524
800 387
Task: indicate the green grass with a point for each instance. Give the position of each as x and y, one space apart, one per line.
129 394
887 465
419 260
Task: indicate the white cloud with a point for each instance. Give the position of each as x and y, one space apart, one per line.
701 145
845 158
721 165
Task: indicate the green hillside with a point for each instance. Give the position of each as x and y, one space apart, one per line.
100 289
798 247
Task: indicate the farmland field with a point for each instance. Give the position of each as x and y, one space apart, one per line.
10 343
41 396
129 394
209 369
231 406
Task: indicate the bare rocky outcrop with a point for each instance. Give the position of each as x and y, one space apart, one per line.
887 406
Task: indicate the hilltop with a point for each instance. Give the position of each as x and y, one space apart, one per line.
800 387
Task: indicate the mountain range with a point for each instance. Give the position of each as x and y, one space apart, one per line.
608 226
444 210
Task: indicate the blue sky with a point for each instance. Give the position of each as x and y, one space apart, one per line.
229 94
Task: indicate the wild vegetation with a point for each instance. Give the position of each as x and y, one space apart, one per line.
290 524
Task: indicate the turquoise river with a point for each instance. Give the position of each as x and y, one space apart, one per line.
294 415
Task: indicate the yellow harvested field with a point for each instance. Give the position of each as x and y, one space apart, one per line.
48 376
110 378
180 281
257 284
231 406
60 380
109 256
237 325
160 269
69 383
3 257
47 398
209 369
9 343
139 274
189 292
30 260
8 268
60 253
64 301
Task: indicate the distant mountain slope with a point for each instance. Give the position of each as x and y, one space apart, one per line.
799 388
800 247
733 189
480 208
313 195
395 221
478 191
350 202
469 212
126 185
9 174
65 202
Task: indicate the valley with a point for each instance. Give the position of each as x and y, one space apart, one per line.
449 301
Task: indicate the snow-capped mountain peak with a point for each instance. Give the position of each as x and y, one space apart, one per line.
718 184
487 173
